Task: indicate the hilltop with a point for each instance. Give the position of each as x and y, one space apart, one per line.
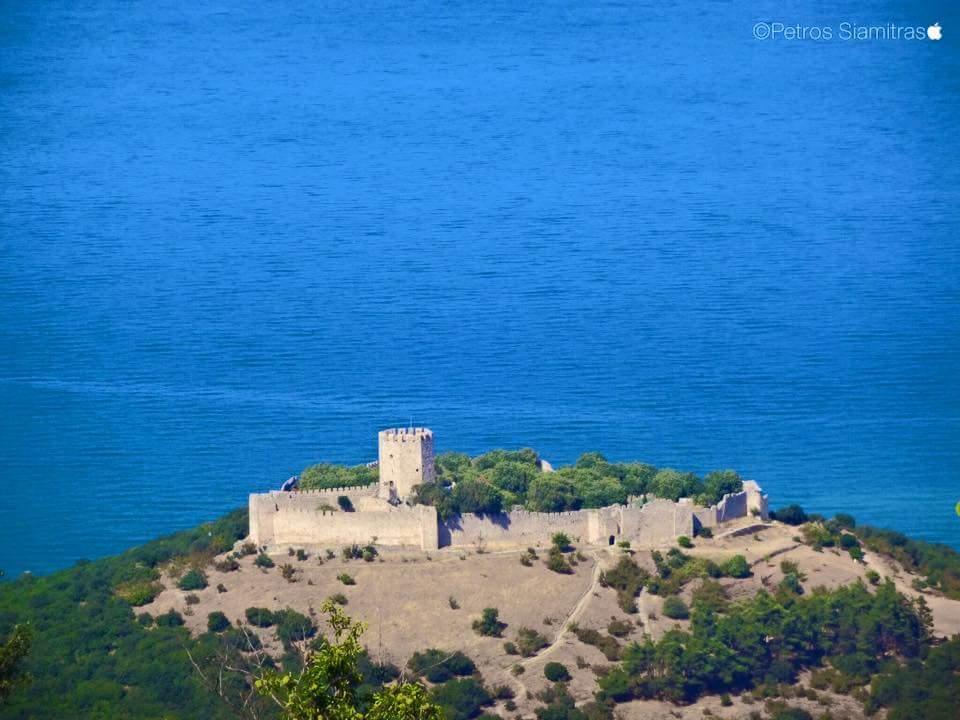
753 617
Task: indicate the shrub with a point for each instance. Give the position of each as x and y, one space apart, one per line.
510 648
619 628
439 666
339 598
561 541
844 521
627 578
675 608
217 622
263 561
138 592
736 567
556 672
790 585
240 640
461 699
221 588
228 564
248 548
302 555
193 579
684 542
873 577
529 641
604 643
171 618
711 595
293 627
791 515
489 623
452 601
145 619
260 616
289 572
192 599
368 553
848 541
557 562
346 579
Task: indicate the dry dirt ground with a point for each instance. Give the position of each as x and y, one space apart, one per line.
413 600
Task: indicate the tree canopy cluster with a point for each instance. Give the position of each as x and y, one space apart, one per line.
324 476
770 639
501 479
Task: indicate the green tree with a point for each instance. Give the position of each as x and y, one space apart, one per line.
12 653
718 483
550 492
476 496
673 484
326 687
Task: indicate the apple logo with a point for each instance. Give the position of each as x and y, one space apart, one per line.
933 32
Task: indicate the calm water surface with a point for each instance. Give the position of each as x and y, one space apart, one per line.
238 238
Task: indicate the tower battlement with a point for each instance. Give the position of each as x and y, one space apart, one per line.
406 460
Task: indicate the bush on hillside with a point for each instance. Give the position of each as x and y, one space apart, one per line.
489 623
556 672
193 579
217 622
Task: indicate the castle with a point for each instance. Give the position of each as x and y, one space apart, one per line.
384 511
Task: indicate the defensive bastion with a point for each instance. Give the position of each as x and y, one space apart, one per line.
406 459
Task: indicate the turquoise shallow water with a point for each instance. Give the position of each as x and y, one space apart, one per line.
237 239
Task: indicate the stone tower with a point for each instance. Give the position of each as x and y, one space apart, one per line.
406 460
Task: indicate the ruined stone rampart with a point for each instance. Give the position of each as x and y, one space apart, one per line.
749 501
655 523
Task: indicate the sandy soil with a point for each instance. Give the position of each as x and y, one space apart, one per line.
405 598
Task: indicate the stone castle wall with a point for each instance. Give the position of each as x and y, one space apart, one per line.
281 519
656 523
312 517
299 518
750 500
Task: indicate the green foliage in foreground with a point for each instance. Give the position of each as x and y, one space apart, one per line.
324 476
501 479
326 688
770 640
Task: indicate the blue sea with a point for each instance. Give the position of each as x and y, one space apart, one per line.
239 238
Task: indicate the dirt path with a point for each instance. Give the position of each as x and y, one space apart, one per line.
574 615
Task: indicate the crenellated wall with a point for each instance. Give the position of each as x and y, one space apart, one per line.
305 518
279 519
